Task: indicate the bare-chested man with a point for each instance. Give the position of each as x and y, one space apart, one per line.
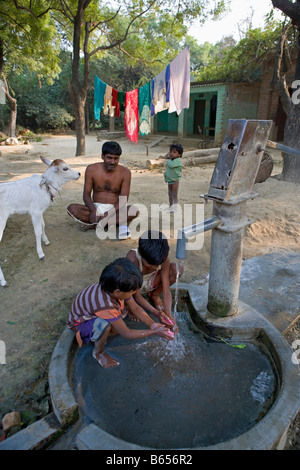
105 193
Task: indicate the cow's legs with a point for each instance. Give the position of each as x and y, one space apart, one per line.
44 236
37 221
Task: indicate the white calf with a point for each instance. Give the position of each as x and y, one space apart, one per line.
33 195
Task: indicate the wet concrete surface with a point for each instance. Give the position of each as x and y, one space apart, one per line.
271 284
184 394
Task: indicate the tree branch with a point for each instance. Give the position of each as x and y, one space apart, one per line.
279 80
288 8
121 40
30 10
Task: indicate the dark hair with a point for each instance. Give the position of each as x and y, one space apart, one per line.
111 147
121 274
177 147
153 247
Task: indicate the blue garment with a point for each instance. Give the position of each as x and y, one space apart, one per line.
168 83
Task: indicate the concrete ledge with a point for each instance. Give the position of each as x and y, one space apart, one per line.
93 438
34 437
63 401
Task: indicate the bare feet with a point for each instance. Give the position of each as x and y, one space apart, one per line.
105 360
87 227
132 317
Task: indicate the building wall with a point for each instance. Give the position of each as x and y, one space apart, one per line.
233 101
241 101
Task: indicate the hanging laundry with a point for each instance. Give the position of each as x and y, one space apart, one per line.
121 100
107 99
114 104
145 109
99 90
180 82
159 92
132 114
168 83
170 89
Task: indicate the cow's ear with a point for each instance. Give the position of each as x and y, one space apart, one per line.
46 160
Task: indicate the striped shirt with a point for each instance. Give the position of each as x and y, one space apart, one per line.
95 302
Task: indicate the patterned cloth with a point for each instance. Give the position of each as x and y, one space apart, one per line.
95 302
132 115
145 109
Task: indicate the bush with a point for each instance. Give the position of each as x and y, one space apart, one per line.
45 117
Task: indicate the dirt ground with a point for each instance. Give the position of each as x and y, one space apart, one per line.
35 305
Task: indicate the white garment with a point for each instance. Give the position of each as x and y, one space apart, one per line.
160 92
107 100
102 208
180 82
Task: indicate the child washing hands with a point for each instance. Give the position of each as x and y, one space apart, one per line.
152 258
99 310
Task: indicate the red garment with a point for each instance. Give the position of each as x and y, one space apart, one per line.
132 115
114 102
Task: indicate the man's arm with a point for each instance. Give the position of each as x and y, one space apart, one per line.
87 193
166 292
124 189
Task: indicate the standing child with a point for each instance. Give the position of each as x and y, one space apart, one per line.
98 310
173 174
152 257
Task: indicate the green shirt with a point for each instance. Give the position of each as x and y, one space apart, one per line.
173 170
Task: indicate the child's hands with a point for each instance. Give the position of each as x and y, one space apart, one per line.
164 318
162 331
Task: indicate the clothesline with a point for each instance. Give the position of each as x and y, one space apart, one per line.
170 89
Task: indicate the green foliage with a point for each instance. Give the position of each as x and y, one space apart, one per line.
240 61
28 40
41 106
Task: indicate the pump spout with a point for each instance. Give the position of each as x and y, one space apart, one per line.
185 233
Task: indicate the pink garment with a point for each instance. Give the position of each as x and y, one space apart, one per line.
131 123
180 82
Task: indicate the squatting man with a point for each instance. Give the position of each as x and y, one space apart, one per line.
105 194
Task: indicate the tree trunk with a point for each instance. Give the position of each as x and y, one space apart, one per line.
78 90
12 102
79 107
13 117
291 163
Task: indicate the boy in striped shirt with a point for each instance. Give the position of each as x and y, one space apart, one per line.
99 310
